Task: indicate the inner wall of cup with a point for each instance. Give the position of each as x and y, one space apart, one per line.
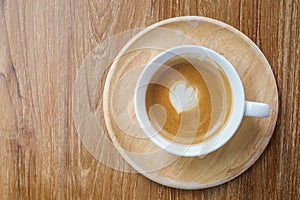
190 128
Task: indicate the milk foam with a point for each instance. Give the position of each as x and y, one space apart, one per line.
183 96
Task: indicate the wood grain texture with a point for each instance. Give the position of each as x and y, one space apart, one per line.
43 43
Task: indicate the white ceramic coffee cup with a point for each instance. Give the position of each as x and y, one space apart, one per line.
239 107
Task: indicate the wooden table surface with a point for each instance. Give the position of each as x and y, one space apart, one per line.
43 43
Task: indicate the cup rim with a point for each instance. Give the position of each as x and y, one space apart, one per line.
211 144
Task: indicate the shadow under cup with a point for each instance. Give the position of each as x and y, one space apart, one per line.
188 99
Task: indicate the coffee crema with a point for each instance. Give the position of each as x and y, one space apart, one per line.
188 99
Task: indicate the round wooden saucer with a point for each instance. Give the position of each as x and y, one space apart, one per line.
220 166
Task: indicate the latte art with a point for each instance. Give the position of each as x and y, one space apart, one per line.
188 100
183 97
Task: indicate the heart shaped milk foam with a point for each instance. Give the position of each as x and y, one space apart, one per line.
183 97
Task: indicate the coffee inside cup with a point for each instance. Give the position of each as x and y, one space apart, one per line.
188 99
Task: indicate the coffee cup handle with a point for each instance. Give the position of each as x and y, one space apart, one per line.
256 109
